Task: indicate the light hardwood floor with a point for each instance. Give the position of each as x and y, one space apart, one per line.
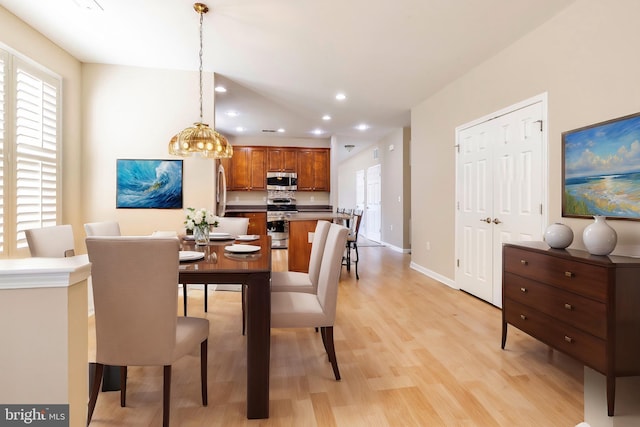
411 351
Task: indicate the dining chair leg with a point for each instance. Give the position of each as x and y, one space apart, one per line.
97 381
123 386
327 335
348 256
166 396
184 298
203 371
355 246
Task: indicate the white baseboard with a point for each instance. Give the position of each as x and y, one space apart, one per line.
396 248
435 276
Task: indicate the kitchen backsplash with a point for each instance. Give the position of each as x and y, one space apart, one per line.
260 197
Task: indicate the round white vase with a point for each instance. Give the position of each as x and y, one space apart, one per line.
599 238
558 235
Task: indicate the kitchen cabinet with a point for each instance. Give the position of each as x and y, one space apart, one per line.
282 159
583 305
257 221
313 169
247 169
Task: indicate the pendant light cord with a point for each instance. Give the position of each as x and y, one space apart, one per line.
200 56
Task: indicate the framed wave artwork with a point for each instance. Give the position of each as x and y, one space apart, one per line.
601 169
149 184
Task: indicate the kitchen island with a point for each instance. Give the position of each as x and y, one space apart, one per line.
302 226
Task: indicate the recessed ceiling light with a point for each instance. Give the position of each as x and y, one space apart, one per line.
281 130
317 131
326 117
341 96
232 113
220 89
89 5
240 129
362 126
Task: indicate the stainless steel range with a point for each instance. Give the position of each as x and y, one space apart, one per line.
280 205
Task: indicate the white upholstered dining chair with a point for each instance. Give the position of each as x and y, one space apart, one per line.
235 226
306 310
54 242
104 228
294 281
136 300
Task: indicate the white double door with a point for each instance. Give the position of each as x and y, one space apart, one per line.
499 193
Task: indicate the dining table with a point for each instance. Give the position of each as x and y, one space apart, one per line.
230 261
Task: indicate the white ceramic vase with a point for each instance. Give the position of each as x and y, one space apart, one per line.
599 238
558 235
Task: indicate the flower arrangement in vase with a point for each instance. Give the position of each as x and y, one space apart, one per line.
200 222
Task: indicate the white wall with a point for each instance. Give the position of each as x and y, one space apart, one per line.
132 113
584 58
393 157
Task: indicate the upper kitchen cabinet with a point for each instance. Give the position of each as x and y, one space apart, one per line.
247 169
313 169
282 159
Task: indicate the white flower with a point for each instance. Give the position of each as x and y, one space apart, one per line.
198 218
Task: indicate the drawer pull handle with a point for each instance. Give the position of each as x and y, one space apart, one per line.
523 290
568 306
568 339
569 274
523 317
524 262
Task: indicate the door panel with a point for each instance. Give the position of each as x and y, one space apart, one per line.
499 180
373 212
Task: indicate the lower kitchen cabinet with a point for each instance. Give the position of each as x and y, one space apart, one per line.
583 305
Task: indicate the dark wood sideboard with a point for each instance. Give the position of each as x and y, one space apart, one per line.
586 306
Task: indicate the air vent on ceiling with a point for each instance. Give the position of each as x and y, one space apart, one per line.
269 130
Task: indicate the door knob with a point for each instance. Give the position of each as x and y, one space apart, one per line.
496 221
487 220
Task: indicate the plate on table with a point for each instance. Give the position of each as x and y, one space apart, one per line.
220 236
243 257
190 255
242 249
247 237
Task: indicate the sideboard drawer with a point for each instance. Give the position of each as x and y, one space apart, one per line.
580 312
581 278
572 341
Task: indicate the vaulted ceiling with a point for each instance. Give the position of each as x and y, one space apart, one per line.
284 61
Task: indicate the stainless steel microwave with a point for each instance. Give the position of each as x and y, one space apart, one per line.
285 181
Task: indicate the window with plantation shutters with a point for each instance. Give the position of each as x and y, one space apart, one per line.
30 150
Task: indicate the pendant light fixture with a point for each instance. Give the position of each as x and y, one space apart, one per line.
200 138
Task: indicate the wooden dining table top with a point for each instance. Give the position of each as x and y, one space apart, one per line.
219 259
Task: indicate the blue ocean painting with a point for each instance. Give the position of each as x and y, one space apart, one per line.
146 184
602 169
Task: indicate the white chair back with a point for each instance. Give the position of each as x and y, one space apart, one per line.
52 242
232 225
105 228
